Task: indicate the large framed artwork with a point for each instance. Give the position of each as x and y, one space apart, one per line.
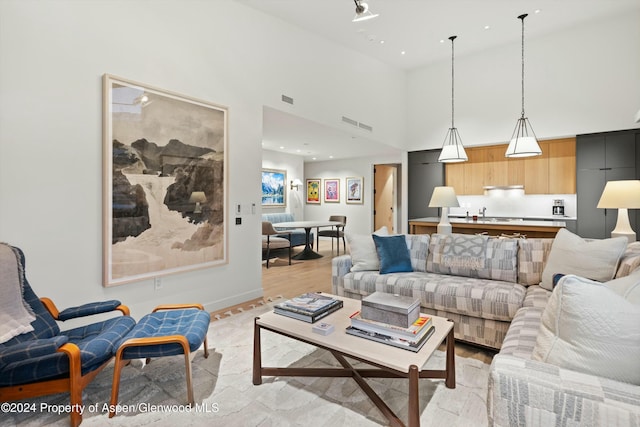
313 190
165 182
274 192
355 188
332 190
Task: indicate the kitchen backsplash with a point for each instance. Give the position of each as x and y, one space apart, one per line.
515 205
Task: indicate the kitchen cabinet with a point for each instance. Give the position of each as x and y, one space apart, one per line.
602 157
554 172
424 174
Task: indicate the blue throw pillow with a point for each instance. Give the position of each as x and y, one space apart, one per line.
393 254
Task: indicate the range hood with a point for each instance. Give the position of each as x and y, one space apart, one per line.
503 190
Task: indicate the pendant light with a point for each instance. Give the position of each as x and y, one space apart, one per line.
452 148
523 141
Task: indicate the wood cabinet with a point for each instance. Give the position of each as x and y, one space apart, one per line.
554 172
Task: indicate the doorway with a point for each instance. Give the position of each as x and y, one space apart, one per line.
385 195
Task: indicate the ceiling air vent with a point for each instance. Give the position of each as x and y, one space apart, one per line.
365 127
357 124
287 99
350 121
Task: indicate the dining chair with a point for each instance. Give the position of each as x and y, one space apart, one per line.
271 241
336 232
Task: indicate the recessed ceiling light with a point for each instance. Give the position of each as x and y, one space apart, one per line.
537 11
487 27
281 147
441 40
403 52
331 157
313 158
297 151
381 41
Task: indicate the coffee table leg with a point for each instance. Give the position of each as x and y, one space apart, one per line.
450 380
257 354
414 400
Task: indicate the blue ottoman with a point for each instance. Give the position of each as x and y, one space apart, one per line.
168 331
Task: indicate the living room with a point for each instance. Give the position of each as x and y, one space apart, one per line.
580 79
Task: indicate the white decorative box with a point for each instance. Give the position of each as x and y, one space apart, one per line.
392 309
322 328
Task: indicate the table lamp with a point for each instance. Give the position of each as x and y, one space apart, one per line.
197 197
444 197
621 195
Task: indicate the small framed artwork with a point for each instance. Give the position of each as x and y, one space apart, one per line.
313 191
273 188
332 190
354 189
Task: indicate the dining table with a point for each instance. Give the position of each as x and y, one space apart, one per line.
307 252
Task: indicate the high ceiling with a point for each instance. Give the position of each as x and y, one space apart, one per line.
420 29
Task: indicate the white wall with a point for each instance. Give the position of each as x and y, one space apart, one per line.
294 165
581 80
53 55
359 216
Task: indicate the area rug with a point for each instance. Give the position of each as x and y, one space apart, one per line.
155 394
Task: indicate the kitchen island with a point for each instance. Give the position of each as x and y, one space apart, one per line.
492 226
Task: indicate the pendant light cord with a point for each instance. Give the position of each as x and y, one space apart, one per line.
452 38
521 17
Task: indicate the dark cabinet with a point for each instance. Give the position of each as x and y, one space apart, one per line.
602 157
424 174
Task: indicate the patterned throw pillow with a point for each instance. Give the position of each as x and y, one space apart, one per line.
532 256
418 245
470 255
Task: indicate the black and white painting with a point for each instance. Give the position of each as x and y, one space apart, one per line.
164 182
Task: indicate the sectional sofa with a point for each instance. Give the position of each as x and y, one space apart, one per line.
497 292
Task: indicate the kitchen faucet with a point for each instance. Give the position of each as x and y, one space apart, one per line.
482 211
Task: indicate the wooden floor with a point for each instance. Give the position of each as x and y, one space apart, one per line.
283 281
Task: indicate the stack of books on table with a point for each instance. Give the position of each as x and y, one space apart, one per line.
411 338
308 307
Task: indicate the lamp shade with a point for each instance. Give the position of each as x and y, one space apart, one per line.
621 194
523 146
443 197
197 197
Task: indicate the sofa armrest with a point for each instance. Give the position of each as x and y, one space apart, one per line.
525 392
340 266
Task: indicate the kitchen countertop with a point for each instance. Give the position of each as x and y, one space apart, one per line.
496 221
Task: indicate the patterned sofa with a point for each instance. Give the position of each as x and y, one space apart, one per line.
481 302
500 307
297 235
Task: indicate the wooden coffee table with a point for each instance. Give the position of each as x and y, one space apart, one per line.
390 362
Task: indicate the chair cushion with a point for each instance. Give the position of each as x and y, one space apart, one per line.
97 343
275 242
190 323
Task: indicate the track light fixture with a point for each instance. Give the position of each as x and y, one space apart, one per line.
362 11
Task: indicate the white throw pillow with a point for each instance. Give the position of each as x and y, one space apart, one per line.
587 327
363 250
593 259
628 287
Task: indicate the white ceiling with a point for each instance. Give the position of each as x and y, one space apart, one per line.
417 28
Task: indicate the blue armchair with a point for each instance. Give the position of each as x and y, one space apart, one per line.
48 360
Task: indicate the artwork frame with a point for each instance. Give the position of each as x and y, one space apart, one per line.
332 190
274 188
312 186
354 189
165 207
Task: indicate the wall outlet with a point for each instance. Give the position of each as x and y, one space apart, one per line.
157 283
